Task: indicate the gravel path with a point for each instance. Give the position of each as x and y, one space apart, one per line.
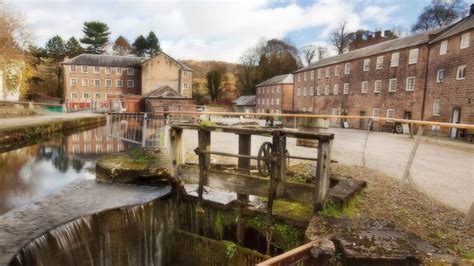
444 170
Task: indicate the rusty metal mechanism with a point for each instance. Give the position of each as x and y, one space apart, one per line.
265 160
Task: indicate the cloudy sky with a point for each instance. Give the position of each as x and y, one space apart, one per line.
215 30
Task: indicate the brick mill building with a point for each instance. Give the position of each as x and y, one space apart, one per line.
275 95
93 81
423 76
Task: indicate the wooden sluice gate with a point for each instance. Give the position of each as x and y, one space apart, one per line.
271 163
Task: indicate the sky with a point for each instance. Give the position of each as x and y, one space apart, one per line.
217 29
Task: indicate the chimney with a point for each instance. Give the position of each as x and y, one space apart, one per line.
471 11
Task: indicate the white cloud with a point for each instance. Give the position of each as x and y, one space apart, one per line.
219 30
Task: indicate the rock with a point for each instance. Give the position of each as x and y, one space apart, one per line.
343 192
323 251
134 165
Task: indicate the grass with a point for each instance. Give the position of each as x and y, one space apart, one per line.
331 210
468 254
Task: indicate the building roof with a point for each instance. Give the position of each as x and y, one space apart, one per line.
245 100
387 46
458 27
105 60
286 78
163 92
185 67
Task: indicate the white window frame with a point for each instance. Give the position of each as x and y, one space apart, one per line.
72 68
335 111
336 71
299 76
119 70
311 91
312 74
391 86
346 89
96 84
96 69
407 86
395 59
319 73
130 71
379 63
328 72
95 95
108 83
443 47
85 69
326 90
375 112
413 56
318 90
85 82
347 68
304 75
108 70
461 70
364 87
366 65
378 83
304 91
130 83
73 96
119 83
440 76
84 96
465 40
392 111
336 89
278 101
437 107
298 92
73 82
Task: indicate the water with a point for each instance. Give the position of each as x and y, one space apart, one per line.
34 171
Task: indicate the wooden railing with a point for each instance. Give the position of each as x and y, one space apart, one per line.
298 256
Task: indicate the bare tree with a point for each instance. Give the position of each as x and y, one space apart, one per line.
308 53
439 13
341 37
322 52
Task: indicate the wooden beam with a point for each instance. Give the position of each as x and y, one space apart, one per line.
246 184
406 172
321 187
177 149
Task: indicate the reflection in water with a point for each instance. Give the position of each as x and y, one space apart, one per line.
31 172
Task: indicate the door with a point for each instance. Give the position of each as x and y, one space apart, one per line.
455 119
362 120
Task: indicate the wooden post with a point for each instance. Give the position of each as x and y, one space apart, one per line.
321 185
177 152
243 165
470 216
144 131
406 172
204 138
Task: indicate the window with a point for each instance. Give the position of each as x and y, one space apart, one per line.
304 91
347 68
318 90
319 73
392 85
185 74
335 111
74 96
119 83
185 85
73 82
273 89
73 69
85 82
365 86
326 90
84 69
379 64
272 101
108 83
437 107
130 83
394 60
336 89
311 91
410 84
96 69
97 82
328 72
443 48
440 76
390 113
119 71
465 40
86 95
461 72
97 95
130 71
298 92
346 88
378 86
336 71
413 56
304 109
278 101
299 76
108 70
366 64
304 76
312 74
376 112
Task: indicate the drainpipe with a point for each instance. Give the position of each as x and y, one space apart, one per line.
426 83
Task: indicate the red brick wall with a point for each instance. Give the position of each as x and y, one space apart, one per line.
356 102
265 94
453 93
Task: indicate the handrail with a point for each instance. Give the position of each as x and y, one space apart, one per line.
292 256
407 121
34 103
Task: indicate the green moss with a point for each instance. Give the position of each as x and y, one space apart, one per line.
206 123
219 226
295 210
331 210
468 254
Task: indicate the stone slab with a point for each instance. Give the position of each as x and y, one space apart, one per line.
345 190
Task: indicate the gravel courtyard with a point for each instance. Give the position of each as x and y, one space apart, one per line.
444 170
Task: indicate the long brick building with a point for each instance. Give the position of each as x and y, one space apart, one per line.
395 79
275 95
91 81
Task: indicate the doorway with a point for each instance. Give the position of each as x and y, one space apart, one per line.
455 119
362 120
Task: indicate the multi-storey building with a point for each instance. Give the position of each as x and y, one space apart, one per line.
275 95
395 79
92 80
